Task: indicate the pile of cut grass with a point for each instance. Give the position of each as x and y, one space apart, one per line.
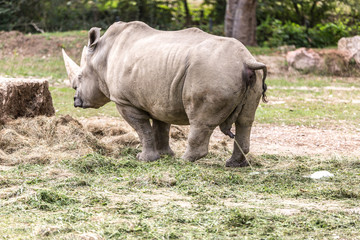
44 139
122 198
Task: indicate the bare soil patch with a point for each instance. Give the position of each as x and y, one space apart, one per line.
300 140
28 45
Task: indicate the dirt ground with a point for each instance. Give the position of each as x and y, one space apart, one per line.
28 45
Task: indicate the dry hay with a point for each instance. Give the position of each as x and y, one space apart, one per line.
42 140
111 131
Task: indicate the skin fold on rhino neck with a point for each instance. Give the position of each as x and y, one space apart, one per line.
98 59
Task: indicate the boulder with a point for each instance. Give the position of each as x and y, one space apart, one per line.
24 98
324 61
334 62
303 59
352 45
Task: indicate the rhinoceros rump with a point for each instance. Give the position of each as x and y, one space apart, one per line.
171 77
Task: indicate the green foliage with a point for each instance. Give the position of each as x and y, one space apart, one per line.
327 34
306 23
273 33
217 12
303 23
303 12
64 15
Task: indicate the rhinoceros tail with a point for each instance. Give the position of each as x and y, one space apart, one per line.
256 66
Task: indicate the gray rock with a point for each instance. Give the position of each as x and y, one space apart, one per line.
352 45
303 59
324 61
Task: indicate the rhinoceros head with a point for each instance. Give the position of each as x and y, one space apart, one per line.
84 78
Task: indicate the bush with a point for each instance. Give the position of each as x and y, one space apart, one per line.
64 15
327 34
273 33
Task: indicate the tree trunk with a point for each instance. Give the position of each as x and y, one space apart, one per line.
240 21
229 17
187 13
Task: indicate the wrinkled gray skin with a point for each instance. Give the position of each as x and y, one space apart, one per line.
179 77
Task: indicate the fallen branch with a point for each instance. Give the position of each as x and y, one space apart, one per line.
37 28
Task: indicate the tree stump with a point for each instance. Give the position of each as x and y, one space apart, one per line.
24 98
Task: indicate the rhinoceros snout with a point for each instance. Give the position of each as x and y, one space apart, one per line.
78 102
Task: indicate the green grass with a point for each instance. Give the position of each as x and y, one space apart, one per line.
45 59
312 81
311 101
63 100
173 199
262 50
77 34
17 66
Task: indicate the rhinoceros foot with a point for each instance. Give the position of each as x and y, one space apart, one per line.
237 162
192 157
148 156
167 151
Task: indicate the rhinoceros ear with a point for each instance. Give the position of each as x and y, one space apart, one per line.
94 36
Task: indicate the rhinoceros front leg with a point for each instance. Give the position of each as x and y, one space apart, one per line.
242 136
139 120
161 132
198 142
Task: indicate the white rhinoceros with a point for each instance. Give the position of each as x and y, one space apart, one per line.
171 77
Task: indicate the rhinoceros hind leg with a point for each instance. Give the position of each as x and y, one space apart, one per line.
140 121
161 132
232 162
198 142
242 138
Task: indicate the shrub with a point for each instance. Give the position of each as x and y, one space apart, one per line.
273 33
327 34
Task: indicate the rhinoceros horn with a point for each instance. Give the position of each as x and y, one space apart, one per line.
83 56
72 68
